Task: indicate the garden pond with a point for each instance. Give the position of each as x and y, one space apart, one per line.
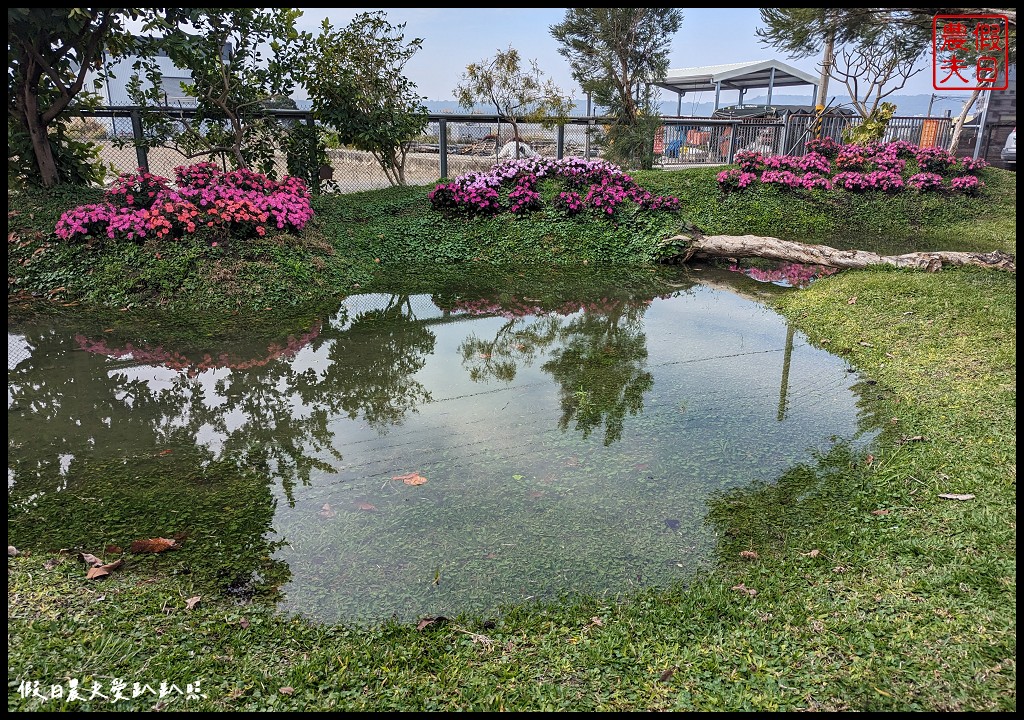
434 447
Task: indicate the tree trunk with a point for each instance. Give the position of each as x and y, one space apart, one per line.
28 107
737 246
958 126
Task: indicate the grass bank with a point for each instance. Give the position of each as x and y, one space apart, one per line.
851 585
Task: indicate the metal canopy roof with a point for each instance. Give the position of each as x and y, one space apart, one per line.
735 76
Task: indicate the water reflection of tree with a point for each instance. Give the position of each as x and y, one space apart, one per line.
600 368
373 363
272 417
598 362
517 342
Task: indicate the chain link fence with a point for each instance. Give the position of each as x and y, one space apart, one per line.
452 145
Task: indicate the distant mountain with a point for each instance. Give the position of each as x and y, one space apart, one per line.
906 105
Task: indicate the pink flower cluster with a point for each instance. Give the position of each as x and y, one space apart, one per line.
240 204
735 179
597 185
967 184
883 167
925 181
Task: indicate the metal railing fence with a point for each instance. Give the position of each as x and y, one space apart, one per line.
454 144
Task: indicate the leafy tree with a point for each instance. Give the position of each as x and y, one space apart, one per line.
514 92
356 83
243 61
876 68
616 54
50 52
883 43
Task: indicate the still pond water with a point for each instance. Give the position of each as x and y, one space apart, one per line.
411 453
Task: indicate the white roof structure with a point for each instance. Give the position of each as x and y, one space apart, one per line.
742 76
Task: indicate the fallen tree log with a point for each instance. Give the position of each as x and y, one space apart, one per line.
682 248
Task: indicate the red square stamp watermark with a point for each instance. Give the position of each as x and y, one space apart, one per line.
970 52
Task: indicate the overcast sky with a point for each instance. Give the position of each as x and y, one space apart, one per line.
455 37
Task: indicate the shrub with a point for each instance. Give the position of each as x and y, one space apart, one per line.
881 166
237 205
595 185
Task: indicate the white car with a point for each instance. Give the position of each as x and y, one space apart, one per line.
1009 152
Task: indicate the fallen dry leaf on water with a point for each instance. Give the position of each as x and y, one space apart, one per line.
411 478
748 555
192 602
955 496
98 571
154 545
744 589
327 511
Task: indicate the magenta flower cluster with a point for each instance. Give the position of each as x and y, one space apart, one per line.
239 204
513 186
735 179
883 167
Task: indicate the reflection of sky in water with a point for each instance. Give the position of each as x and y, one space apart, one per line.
532 487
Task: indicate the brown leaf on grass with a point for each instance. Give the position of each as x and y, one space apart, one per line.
168 451
53 562
748 555
98 571
428 621
113 550
327 511
286 690
744 589
369 507
813 553
153 545
852 300
880 512
90 559
411 478
667 675
244 624
956 496
192 602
